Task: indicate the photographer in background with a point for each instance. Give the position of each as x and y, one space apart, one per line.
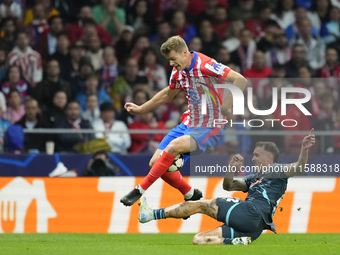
100 165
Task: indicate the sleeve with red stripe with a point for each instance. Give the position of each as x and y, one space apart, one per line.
174 82
218 70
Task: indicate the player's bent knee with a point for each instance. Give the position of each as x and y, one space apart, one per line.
173 148
197 239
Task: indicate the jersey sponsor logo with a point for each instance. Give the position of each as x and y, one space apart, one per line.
194 97
216 68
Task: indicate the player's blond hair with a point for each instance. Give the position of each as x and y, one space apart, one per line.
175 43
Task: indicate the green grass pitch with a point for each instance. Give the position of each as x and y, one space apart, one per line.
163 244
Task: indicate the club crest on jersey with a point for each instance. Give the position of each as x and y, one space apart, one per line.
216 68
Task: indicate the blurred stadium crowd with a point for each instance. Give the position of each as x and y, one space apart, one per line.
73 65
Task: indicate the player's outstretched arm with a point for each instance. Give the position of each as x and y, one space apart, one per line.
229 183
160 98
239 81
299 166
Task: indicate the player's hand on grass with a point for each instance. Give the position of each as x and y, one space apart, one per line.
237 160
309 140
133 108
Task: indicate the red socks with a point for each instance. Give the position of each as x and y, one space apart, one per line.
161 165
176 180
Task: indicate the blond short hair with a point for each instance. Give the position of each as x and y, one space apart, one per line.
175 43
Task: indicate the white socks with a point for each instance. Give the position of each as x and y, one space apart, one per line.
141 190
189 194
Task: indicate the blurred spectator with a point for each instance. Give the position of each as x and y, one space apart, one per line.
257 25
330 31
268 126
195 44
320 12
181 27
146 143
4 124
233 35
265 42
265 92
47 44
76 31
208 12
92 86
220 21
46 89
141 43
100 165
108 72
14 79
92 112
77 54
297 61
38 26
163 33
28 60
336 143
139 97
62 55
326 120
331 72
31 120
109 16
314 45
172 109
327 112
10 8
95 52
141 18
280 53
67 9
85 69
222 55
44 11
243 9
15 109
120 139
258 70
125 83
57 110
243 55
3 102
124 44
284 13
293 143
156 74
235 143
300 15
65 142
8 32
175 117
209 38
318 89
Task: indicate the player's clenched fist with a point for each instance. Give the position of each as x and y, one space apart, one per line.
237 160
132 108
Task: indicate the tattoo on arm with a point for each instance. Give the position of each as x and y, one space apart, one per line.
239 185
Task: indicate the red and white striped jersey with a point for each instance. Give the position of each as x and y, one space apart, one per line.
29 63
199 80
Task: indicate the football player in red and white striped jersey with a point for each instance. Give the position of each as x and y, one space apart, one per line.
197 74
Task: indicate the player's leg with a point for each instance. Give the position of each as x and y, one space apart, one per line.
179 145
209 237
178 211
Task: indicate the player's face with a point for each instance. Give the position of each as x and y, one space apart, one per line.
178 59
261 157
